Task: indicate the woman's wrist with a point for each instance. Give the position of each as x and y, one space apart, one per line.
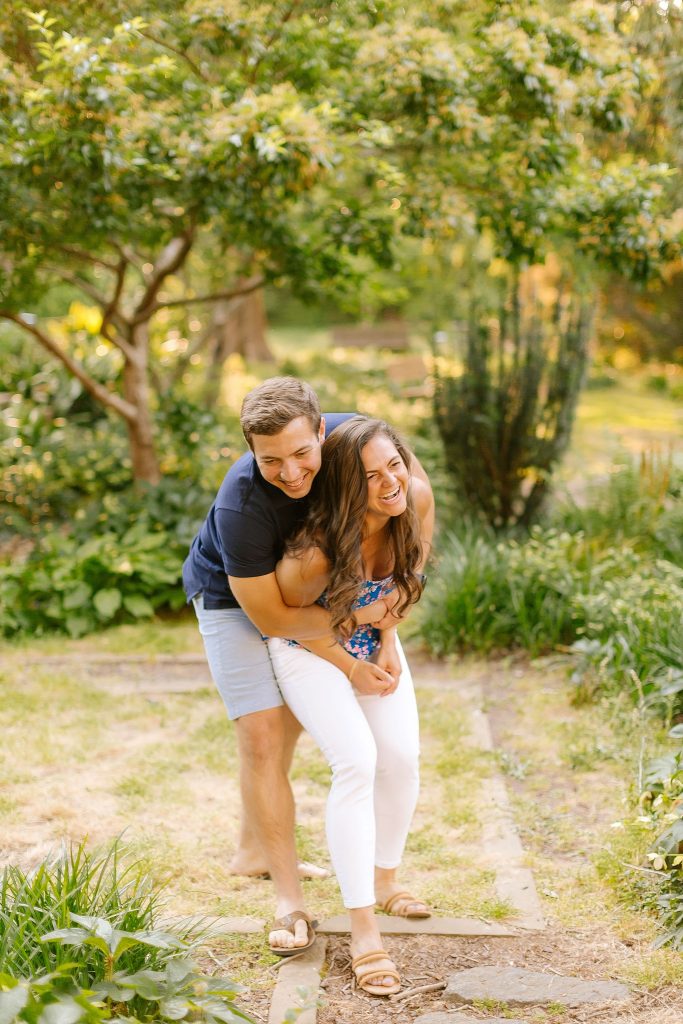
352 668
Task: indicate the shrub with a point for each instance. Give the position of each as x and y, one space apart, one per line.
506 416
614 609
77 587
498 593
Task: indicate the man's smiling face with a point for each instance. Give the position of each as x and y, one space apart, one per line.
290 459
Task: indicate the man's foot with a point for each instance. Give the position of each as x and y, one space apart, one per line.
249 868
376 973
399 903
292 934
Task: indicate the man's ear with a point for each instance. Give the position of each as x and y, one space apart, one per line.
321 432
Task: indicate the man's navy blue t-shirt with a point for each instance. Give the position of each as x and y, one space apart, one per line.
245 531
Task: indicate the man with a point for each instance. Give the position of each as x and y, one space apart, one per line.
230 576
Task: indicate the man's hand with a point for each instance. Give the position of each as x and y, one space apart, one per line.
389 620
372 613
368 679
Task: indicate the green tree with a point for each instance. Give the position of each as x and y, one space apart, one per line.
298 141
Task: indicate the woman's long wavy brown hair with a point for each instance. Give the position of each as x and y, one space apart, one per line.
336 516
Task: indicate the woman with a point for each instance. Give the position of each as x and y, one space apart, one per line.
374 540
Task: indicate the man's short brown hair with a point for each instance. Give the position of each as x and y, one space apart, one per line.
271 406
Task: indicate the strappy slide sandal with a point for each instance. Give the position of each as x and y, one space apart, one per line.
287 924
392 906
364 978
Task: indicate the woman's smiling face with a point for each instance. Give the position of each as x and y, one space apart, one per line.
387 475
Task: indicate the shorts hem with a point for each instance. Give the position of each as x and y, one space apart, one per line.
252 709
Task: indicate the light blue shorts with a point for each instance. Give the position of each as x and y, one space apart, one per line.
238 659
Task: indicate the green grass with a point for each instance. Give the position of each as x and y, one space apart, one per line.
626 418
73 881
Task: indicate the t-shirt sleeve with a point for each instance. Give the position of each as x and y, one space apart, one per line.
248 545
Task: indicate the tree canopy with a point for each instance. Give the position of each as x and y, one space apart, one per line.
297 142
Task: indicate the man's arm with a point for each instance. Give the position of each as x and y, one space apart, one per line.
261 600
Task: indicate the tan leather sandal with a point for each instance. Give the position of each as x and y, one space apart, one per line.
399 905
364 978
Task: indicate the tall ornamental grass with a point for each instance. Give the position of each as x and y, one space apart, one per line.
618 613
74 881
640 501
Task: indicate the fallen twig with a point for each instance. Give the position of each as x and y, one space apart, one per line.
436 987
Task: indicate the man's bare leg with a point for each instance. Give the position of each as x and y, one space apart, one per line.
250 859
266 745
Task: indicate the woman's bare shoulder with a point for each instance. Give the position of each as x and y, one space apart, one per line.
313 561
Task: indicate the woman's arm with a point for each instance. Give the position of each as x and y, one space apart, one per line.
302 577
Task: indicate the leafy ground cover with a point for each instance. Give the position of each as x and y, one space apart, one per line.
60 964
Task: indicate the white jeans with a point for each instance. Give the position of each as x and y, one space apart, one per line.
372 746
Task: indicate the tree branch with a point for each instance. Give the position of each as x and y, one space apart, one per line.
170 260
128 253
112 307
252 284
97 390
110 314
79 254
85 286
167 46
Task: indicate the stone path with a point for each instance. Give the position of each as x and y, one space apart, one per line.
505 855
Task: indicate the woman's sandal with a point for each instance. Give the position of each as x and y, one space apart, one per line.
393 906
364 978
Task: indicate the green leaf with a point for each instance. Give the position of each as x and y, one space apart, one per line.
174 1009
107 602
160 940
65 1011
67 936
77 597
138 606
12 1002
77 625
148 984
110 990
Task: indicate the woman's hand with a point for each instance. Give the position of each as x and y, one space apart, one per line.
369 679
386 656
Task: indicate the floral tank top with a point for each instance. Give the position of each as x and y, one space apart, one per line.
364 641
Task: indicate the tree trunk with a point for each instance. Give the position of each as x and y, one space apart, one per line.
241 328
237 326
136 391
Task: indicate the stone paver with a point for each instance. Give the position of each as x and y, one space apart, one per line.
461 1018
517 987
502 846
299 973
214 927
340 925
